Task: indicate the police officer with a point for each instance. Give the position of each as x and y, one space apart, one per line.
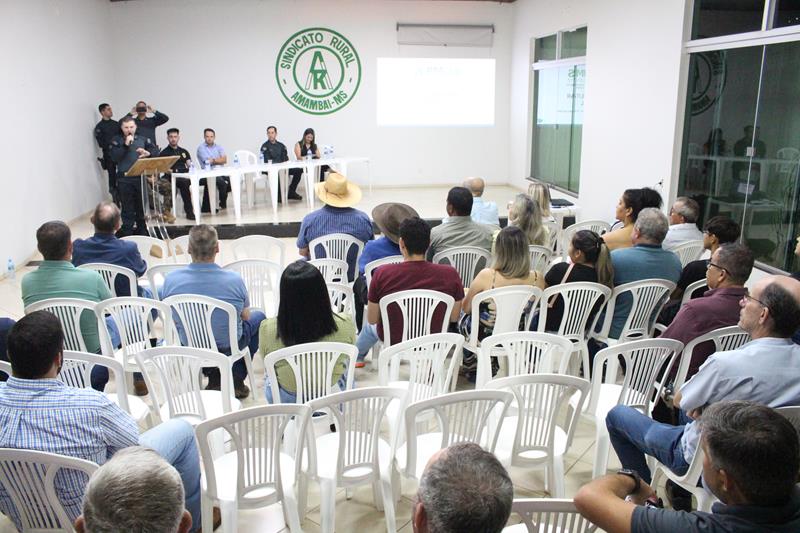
146 126
126 149
104 133
181 165
275 151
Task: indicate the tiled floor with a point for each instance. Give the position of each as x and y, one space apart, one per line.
357 513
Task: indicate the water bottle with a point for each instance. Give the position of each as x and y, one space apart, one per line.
309 155
260 158
208 164
11 272
236 160
330 152
192 168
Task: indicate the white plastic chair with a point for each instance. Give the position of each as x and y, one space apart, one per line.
692 288
145 244
336 246
259 247
77 371
553 235
5 367
247 158
466 416
355 454
156 275
724 339
370 267
178 371
332 270
258 470
540 257
342 299
688 481
688 251
647 297
548 515
192 315
598 226
109 274
467 260
645 360
75 315
262 279
539 431
579 299
180 249
313 365
526 352
417 309
29 479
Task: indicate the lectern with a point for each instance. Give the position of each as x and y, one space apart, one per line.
150 168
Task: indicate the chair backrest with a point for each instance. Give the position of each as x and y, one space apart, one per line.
510 304
417 308
540 257
256 436
459 417
724 339
5 367
342 299
550 515
332 270
134 319
157 273
598 226
192 315
467 260
693 287
543 404
109 274
178 372
245 157
262 279
553 235
75 316
76 372
688 251
429 373
647 297
180 249
313 364
357 415
788 153
30 479
370 267
580 298
645 360
259 247
792 413
145 244
335 246
528 352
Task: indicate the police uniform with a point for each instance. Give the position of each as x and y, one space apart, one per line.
276 152
181 165
104 133
130 188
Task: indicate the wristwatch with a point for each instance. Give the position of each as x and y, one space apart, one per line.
634 475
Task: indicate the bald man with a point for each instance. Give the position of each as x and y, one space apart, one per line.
483 212
766 370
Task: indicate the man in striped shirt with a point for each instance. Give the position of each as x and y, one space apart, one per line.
40 412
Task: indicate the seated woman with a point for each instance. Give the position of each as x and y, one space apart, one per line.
511 266
524 213
590 260
630 204
540 193
304 315
307 146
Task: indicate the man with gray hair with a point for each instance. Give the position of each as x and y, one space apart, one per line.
463 488
683 223
646 259
136 490
483 212
204 277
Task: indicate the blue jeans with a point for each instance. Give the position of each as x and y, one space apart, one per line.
633 435
249 339
291 397
99 376
174 441
367 338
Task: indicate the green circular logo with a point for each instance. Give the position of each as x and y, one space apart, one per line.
318 71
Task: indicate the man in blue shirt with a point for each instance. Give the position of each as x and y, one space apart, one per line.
206 278
483 212
336 216
210 155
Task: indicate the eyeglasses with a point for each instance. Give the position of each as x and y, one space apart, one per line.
746 297
710 264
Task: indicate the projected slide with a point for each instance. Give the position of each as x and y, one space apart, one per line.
435 92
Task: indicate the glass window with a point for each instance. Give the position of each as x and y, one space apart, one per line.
546 48
713 18
558 126
787 13
573 43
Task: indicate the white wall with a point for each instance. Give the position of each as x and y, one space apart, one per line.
212 63
55 71
632 81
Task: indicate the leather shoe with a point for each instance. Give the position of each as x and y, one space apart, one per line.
294 196
140 388
240 390
214 385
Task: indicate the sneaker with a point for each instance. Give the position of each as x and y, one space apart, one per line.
294 196
240 390
169 218
361 364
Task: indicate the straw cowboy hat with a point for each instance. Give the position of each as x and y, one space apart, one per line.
389 216
336 191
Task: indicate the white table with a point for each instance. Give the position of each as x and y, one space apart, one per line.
275 172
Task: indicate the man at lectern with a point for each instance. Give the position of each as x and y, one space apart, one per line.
126 149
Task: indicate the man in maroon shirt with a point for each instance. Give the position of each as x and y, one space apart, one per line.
413 273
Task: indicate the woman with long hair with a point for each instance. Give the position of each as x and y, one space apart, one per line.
524 213
629 206
304 315
305 147
541 194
